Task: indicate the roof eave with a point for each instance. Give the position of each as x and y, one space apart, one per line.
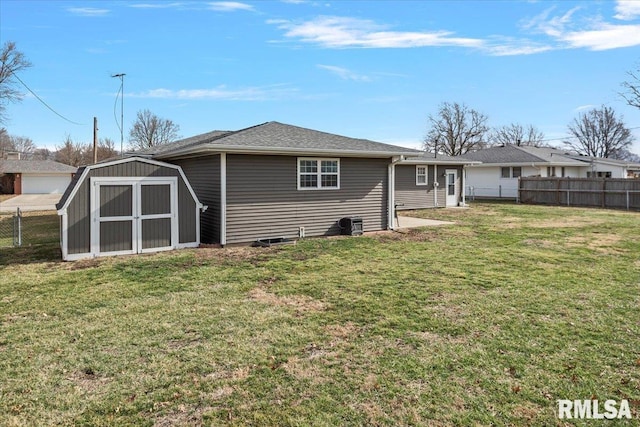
280 151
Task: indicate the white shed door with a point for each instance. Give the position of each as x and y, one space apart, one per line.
45 184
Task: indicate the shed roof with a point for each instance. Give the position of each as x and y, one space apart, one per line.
274 137
34 166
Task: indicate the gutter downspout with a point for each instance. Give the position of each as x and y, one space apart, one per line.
391 210
464 180
436 184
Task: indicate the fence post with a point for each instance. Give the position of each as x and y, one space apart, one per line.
568 192
19 216
500 191
627 199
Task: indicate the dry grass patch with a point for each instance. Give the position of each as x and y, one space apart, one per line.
300 303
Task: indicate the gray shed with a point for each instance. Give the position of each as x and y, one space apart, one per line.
128 206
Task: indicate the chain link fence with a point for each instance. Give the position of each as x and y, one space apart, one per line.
28 228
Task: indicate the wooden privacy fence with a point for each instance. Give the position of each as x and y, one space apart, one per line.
598 192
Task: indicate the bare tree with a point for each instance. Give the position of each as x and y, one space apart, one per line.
24 146
632 89
627 155
106 149
73 153
599 133
150 130
11 62
516 134
43 154
455 130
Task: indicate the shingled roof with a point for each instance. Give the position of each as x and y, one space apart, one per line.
275 137
34 166
512 154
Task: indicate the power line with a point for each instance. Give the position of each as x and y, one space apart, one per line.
44 103
575 137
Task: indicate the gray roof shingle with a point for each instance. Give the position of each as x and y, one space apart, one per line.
272 136
34 166
513 154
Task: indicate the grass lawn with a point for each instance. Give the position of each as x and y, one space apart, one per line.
486 322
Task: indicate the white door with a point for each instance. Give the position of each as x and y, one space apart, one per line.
452 179
133 216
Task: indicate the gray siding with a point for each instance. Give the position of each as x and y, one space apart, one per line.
115 236
155 199
263 199
156 233
79 209
203 174
414 196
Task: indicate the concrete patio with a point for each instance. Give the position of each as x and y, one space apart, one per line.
411 222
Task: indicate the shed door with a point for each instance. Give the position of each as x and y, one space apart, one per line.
452 194
115 225
134 216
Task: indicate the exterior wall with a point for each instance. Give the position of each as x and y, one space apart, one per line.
79 209
263 200
413 196
616 171
203 174
488 181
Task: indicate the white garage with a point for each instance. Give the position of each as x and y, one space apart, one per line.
45 184
34 176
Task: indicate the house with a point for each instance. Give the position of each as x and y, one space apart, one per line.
127 206
277 180
608 168
430 181
501 166
34 176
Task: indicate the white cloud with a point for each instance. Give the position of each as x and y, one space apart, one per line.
344 73
88 11
604 37
627 10
586 32
229 6
159 5
221 93
341 32
584 107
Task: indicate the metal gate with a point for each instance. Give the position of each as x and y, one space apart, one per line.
11 229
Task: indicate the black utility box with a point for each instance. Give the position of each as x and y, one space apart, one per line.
351 226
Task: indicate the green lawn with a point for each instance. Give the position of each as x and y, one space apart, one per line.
486 322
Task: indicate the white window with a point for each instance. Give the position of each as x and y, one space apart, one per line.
516 172
505 172
318 174
421 175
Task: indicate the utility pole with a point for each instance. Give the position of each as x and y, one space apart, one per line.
95 140
121 92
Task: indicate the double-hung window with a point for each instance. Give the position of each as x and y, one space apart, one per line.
421 175
318 174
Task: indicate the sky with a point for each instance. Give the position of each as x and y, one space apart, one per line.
364 69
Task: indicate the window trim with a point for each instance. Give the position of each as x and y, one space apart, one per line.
426 175
318 173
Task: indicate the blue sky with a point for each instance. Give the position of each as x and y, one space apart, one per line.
367 69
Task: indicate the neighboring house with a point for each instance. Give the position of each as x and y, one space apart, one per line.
608 168
430 181
34 176
497 174
127 206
